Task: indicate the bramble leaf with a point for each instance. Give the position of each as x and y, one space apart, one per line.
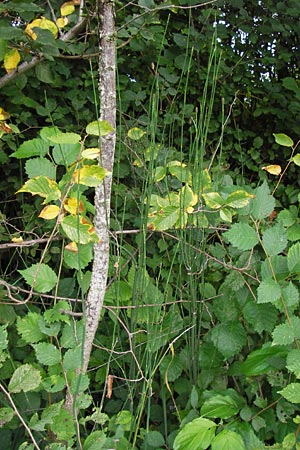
291 392
242 236
268 291
47 354
263 203
40 276
25 378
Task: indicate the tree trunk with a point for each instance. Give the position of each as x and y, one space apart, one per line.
107 97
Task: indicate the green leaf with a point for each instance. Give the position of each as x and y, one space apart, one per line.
81 259
96 440
182 173
63 426
268 291
213 200
287 332
226 215
6 415
228 440
229 338
77 231
47 354
135 134
34 147
238 199
25 378
263 203
275 239
3 337
66 154
291 392
160 173
154 439
296 159
264 360
219 406
283 139
40 276
40 167
64 138
28 328
242 236
293 258
73 358
42 186
44 73
290 301
90 176
99 128
165 219
262 317
293 362
196 435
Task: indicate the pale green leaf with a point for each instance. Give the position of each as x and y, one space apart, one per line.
96 440
25 378
64 138
81 259
66 154
228 440
165 219
291 392
77 231
275 239
154 439
229 338
6 415
296 159
34 147
283 139
213 200
242 236
160 173
73 358
28 328
40 167
238 199
293 362
263 203
136 133
90 176
47 354
99 128
268 291
40 276
42 186
293 258
287 332
219 406
226 215
3 337
290 301
183 174
63 425
195 435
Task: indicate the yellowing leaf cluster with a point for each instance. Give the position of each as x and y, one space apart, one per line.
42 23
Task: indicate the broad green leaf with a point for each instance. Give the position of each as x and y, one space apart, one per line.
154 439
278 266
73 358
296 159
238 199
6 415
79 230
226 215
219 406
262 317
263 203
65 138
242 236
268 291
96 440
293 362
195 435
160 173
28 328
40 166
213 200
42 186
47 354
91 153
283 139
44 73
182 173
290 296
291 392
228 440
275 239
293 258
90 176
264 360
229 338
66 154
99 128
40 276
165 219
205 181
188 198
79 260
34 147
287 332
63 425
3 50
25 378
135 134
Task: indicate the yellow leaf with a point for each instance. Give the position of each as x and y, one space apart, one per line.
3 114
43 23
11 60
73 206
49 212
72 247
67 8
273 169
91 153
62 22
17 240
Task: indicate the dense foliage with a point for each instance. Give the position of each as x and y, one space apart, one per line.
198 343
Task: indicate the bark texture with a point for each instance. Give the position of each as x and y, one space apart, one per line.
107 96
